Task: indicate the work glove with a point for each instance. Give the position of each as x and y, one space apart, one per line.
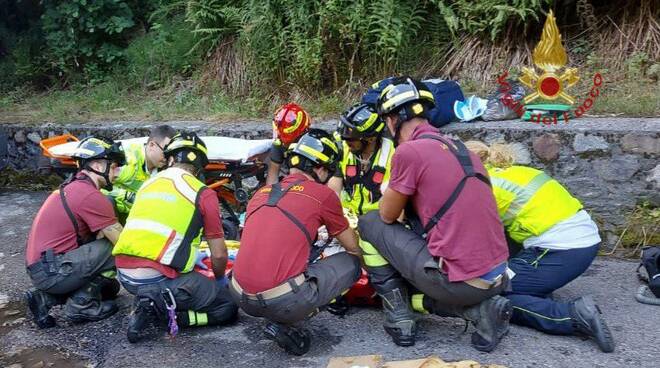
199 258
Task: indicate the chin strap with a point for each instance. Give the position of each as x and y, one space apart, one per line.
105 174
318 180
397 130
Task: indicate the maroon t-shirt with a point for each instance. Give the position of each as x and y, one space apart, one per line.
273 249
469 237
209 208
53 229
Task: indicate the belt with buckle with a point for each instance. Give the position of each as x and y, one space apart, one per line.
279 290
489 280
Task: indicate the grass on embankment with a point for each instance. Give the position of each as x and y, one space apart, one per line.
111 100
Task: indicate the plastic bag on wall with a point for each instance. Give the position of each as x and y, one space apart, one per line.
496 109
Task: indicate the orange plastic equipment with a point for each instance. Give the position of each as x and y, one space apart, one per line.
47 143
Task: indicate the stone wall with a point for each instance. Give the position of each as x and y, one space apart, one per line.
609 164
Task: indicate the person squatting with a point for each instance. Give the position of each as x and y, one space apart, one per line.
443 227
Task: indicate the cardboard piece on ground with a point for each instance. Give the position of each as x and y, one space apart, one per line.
364 361
376 361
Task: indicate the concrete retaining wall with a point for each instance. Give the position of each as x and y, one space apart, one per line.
609 164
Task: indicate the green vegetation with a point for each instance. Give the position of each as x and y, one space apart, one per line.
642 229
79 60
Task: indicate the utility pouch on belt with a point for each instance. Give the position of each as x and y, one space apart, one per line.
49 262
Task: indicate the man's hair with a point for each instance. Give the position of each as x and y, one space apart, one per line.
161 132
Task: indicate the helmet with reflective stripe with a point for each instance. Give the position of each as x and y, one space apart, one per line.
315 148
187 148
407 97
291 122
98 148
360 121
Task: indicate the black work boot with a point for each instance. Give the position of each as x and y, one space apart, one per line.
109 287
587 320
491 319
86 305
399 317
292 340
339 307
144 312
39 302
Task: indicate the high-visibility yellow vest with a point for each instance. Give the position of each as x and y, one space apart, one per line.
164 224
130 178
529 201
363 190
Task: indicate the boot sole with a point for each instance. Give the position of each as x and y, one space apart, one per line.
287 343
502 315
401 340
82 318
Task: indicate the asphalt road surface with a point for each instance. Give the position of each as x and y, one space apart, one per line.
636 327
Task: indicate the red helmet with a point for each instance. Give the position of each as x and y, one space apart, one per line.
291 122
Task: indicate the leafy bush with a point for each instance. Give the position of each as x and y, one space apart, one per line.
84 35
152 60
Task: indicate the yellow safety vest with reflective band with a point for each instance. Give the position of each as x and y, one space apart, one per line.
131 177
529 201
165 224
362 190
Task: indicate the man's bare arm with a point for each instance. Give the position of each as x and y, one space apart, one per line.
219 256
111 232
391 205
273 173
349 240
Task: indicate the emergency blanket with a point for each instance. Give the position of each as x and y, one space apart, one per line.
219 148
376 361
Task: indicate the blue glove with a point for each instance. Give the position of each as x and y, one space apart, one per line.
199 258
222 282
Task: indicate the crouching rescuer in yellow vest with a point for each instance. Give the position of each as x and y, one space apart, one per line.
160 246
552 241
364 169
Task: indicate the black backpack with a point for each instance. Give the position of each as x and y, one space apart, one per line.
651 262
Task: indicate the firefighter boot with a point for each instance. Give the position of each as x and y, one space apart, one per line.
399 318
491 319
85 304
144 312
292 340
587 320
39 302
109 287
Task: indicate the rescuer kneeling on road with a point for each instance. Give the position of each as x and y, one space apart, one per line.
272 275
552 241
159 247
456 252
68 253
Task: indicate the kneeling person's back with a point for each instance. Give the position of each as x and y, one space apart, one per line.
272 244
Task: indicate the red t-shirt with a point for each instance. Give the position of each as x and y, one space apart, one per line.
469 237
273 249
52 228
209 207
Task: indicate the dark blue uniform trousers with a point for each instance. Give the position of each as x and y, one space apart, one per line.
539 272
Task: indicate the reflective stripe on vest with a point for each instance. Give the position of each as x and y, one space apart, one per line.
529 201
172 244
164 224
522 194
